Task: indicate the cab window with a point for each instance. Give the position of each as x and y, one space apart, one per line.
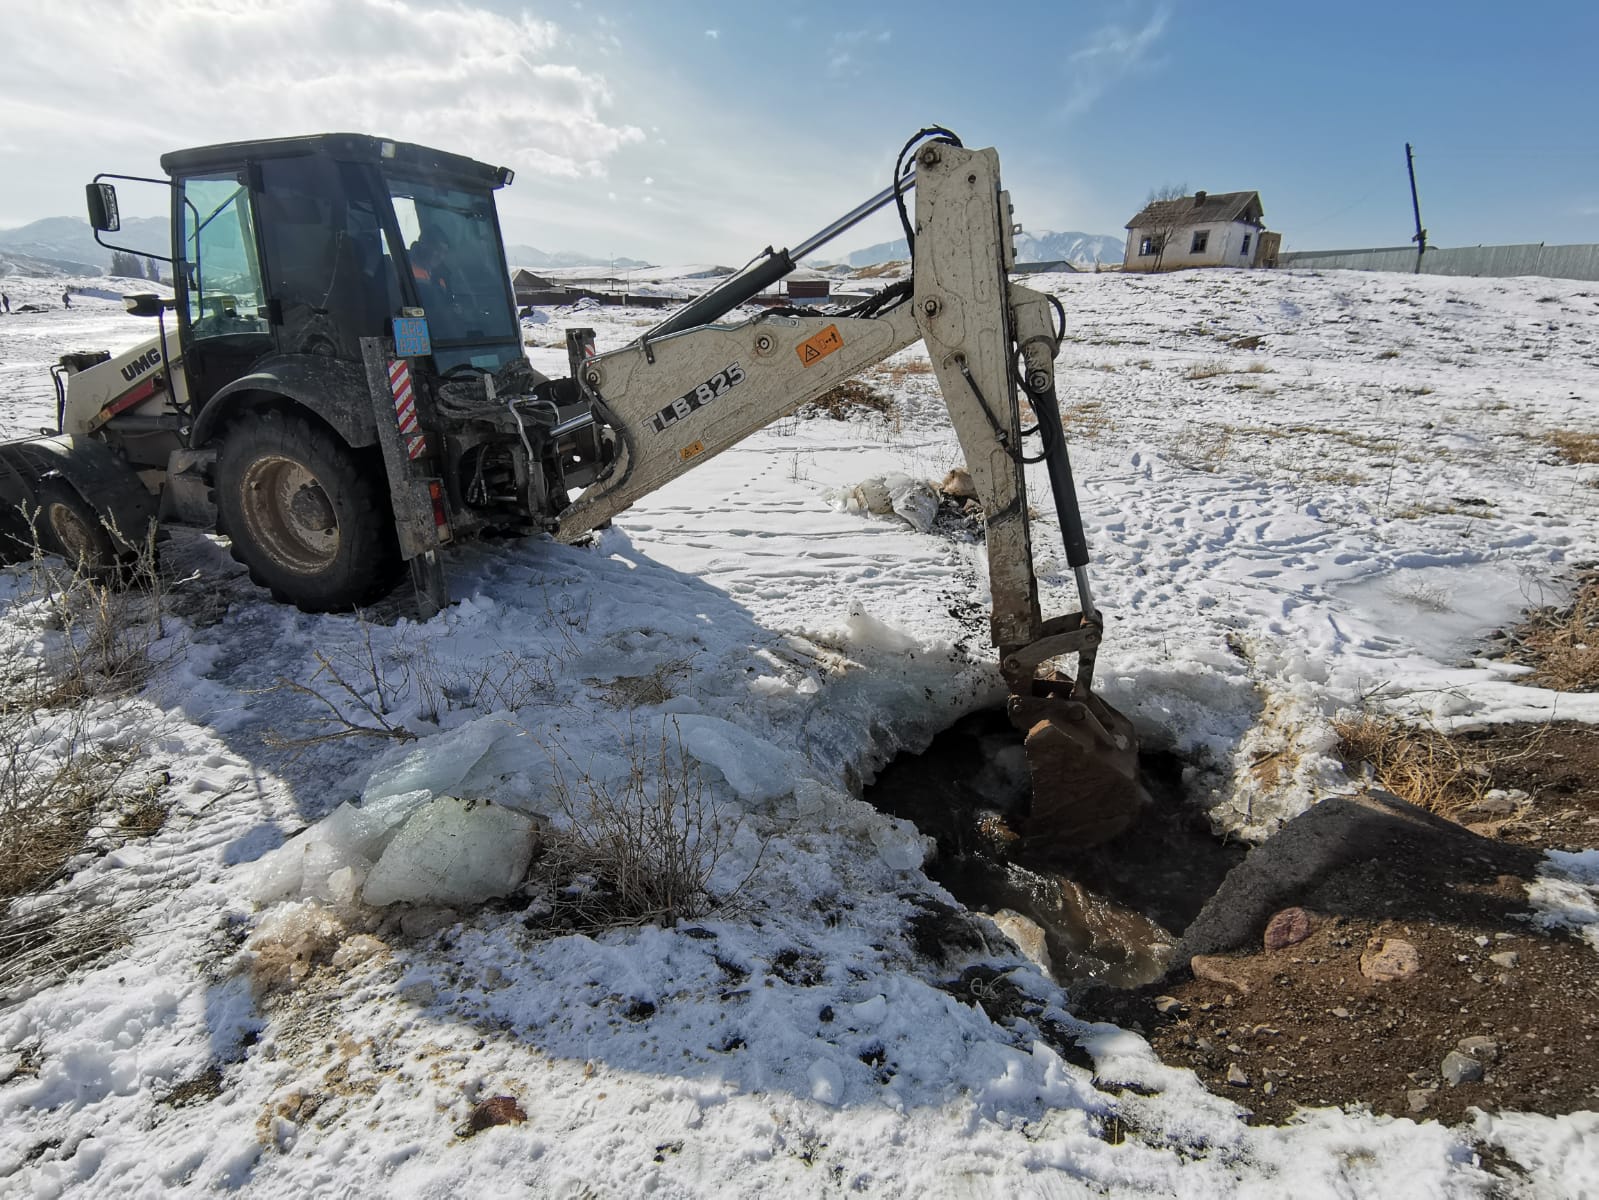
221 272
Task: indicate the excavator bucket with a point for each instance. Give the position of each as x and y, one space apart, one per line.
1083 758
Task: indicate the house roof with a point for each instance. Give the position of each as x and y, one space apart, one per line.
1202 208
522 277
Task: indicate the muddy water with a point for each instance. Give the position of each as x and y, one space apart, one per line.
1110 915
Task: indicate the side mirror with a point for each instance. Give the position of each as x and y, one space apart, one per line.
145 304
103 216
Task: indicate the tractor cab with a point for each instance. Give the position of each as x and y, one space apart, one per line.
300 247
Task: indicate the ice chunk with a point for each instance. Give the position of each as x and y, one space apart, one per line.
752 766
350 837
453 852
827 1081
439 764
915 502
863 629
899 845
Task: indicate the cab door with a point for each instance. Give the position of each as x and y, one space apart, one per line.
221 299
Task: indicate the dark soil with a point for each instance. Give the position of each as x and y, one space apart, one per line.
1305 1027
1558 765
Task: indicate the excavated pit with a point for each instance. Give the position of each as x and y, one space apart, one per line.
1110 915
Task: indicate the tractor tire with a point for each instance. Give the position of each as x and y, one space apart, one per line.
306 514
70 526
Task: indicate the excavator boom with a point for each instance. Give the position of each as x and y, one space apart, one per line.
690 391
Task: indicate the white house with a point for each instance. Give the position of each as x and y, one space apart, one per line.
1202 230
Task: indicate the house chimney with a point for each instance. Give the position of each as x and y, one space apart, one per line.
1199 199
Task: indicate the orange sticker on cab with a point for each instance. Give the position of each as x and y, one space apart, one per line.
692 450
813 349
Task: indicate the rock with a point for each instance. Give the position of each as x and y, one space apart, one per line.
1287 928
1236 1076
1268 1087
1483 1049
1387 959
357 950
958 483
1420 1098
426 920
496 1110
1343 1014
1165 1004
1460 1068
1314 846
1028 936
1507 959
1217 970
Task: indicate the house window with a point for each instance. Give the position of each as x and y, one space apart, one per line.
1245 250
1150 245
1201 238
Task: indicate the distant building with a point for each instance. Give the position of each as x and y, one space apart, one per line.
806 284
530 288
1202 230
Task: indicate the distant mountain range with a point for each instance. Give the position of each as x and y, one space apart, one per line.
66 246
1043 246
534 258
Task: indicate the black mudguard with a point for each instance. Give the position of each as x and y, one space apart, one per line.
336 391
98 474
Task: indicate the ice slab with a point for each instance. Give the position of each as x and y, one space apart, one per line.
453 852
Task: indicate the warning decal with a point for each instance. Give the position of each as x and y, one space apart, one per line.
813 349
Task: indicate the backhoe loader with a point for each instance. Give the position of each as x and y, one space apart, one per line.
343 392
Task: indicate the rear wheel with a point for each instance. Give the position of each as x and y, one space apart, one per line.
68 525
307 515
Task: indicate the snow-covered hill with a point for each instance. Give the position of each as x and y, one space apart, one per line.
1303 492
1085 249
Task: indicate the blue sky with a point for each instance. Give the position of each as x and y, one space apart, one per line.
683 132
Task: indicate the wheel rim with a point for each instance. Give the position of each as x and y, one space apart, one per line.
288 514
71 531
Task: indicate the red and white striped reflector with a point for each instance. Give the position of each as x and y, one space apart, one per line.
405 408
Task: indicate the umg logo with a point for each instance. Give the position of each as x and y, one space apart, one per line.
148 361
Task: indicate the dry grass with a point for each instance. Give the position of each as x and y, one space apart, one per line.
1577 447
68 639
1389 354
878 270
1562 644
1419 765
851 397
1207 370
1085 421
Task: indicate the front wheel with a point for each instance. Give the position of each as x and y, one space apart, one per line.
307 515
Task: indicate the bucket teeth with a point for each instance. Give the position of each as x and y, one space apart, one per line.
1083 758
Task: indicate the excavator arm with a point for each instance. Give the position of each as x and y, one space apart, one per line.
683 395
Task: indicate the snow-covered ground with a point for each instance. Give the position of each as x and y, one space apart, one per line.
1338 515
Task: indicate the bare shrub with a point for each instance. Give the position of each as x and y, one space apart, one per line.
355 693
1417 764
642 853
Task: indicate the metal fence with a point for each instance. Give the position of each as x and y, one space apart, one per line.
1557 262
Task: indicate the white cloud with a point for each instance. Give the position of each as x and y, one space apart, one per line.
1113 51
847 50
500 88
713 34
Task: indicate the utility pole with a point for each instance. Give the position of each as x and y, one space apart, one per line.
1420 237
